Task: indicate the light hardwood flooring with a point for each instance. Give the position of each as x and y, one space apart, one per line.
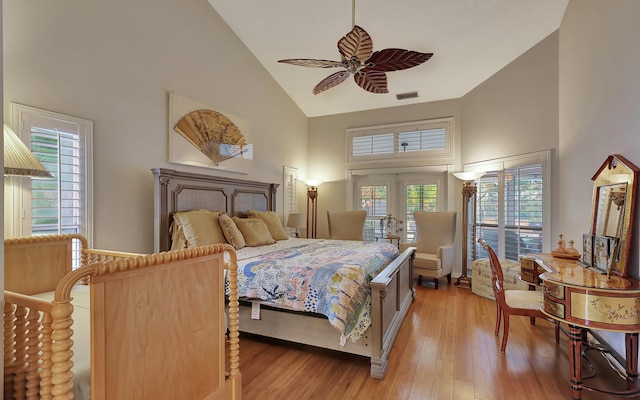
446 349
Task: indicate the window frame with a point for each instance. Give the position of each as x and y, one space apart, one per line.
445 123
23 117
499 166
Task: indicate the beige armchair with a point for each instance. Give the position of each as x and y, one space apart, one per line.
346 225
435 234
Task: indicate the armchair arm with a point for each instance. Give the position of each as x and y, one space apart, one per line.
447 254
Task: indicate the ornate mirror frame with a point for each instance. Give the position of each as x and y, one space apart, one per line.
612 207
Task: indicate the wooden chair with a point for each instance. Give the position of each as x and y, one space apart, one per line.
346 225
513 302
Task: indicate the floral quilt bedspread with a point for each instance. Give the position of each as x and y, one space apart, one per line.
329 277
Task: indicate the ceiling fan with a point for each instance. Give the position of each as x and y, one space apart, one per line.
357 57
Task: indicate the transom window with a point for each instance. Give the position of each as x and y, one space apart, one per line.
423 139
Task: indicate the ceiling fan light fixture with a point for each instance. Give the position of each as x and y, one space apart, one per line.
407 95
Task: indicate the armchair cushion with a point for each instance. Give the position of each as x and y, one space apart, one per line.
427 261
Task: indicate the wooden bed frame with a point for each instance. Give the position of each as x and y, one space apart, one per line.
392 289
157 327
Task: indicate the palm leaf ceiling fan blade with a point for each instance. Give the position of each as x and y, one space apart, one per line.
357 58
372 81
331 81
356 43
397 59
313 63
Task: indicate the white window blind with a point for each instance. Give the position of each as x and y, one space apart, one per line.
422 139
56 204
509 206
487 212
428 139
373 144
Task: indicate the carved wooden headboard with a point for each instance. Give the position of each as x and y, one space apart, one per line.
182 191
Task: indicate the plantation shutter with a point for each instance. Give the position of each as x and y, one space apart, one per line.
56 204
523 211
487 213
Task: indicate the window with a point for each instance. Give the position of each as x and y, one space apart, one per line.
510 204
63 144
419 198
423 139
374 199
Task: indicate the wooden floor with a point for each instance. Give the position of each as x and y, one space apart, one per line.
446 349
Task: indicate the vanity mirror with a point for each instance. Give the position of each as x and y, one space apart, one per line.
613 203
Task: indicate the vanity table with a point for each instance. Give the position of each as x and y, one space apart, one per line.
597 292
587 299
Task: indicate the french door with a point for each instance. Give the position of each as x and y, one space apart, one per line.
399 195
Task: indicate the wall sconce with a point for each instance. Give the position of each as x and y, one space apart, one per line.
469 189
296 221
18 160
312 206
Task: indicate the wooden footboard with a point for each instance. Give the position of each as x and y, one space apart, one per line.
392 293
27 347
154 316
157 326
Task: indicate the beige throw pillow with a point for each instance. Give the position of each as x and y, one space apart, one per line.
231 233
200 227
273 223
254 230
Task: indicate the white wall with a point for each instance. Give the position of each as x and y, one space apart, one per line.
113 62
599 98
516 112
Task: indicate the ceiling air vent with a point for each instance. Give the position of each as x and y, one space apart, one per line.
408 95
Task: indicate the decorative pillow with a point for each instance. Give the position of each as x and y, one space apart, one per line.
273 223
254 230
200 227
178 241
231 232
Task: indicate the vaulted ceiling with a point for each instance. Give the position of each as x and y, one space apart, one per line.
471 40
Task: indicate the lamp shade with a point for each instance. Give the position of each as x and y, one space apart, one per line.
296 220
18 160
313 182
468 176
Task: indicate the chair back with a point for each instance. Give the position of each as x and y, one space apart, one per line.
497 277
346 225
434 229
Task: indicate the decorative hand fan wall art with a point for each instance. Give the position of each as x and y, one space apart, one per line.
215 135
357 57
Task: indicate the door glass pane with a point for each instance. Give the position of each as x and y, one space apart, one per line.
373 199
419 198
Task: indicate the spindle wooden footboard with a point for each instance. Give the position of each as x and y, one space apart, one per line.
157 322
